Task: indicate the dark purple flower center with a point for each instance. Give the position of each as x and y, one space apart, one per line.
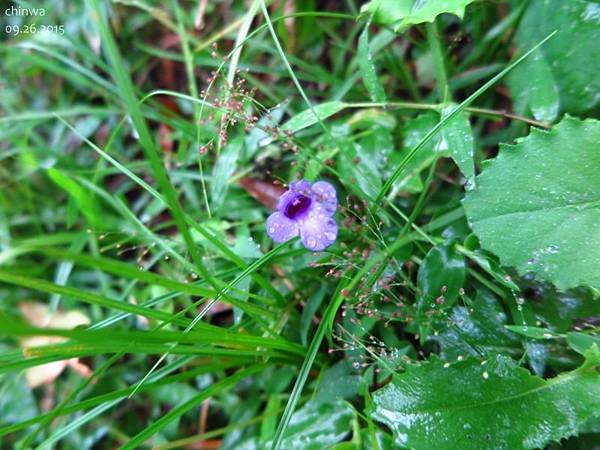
297 207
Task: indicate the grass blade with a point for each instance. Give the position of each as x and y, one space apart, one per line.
178 411
392 179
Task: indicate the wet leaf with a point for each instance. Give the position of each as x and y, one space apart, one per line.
338 382
440 277
173 393
581 342
403 13
222 171
496 404
245 246
413 131
531 332
258 134
540 97
313 427
362 162
367 68
537 205
17 402
84 199
562 75
316 426
359 167
311 116
455 141
458 138
477 329
558 310
372 117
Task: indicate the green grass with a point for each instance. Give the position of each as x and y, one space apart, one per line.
138 159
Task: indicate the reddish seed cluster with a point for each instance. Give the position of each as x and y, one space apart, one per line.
387 293
368 350
236 103
204 149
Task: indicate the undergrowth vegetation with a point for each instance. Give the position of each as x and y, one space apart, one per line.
300 224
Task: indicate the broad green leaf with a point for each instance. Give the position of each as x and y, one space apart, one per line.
455 140
85 200
440 277
359 169
531 332
458 138
172 393
563 74
17 402
581 342
315 426
537 205
312 305
338 382
269 424
472 404
558 310
540 97
222 171
367 68
403 13
365 160
311 116
316 164
245 245
435 130
477 329
592 426
372 117
413 131
254 138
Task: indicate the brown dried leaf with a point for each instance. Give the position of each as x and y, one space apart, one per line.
265 192
38 315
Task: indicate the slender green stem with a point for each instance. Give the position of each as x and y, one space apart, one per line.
435 130
193 88
290 70
325 325
420 200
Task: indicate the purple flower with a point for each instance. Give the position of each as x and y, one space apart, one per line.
307 210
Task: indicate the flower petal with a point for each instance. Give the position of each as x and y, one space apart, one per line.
294 205
325 194
286 198
280 228
301 186
318 231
